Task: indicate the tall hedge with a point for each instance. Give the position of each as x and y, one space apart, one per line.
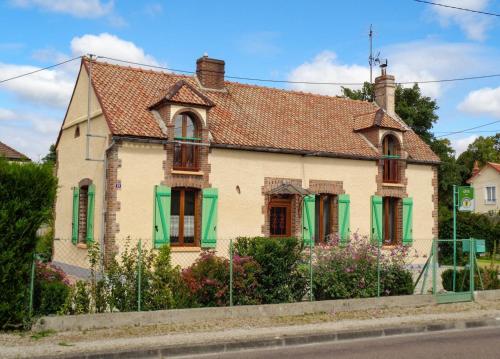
27 193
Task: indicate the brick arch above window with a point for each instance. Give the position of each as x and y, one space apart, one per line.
193 112
85 182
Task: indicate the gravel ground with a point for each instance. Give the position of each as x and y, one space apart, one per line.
26 339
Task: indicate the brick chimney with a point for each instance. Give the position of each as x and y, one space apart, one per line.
475 169
385 91
210 72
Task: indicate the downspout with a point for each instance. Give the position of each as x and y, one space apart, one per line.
104 208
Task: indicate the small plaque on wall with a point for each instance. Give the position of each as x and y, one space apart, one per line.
118 185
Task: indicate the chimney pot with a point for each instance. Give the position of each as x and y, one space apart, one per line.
385 91
210 72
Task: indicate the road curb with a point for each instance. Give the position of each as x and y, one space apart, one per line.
282 341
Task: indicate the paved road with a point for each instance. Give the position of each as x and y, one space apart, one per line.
470 344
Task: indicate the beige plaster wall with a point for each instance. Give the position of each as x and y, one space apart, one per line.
421 190
241 213
141 169
487 177
72 168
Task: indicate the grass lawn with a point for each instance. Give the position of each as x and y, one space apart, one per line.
486 262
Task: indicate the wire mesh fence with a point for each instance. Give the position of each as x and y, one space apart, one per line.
247 271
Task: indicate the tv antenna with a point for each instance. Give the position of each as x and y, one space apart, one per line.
372 60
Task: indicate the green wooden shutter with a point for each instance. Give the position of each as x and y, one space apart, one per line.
90 213
209 218
308 219
74 225
161 216
376 221
407 221
344 218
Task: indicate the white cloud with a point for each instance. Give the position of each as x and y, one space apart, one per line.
50 87
325 68
461 144
413 61
77 8
482 101
153 9
474 25
110 45
6 115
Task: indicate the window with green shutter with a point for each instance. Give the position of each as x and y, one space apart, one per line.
308 218
344 218
161 216
74 224
209 217
90 213
376 219
407 221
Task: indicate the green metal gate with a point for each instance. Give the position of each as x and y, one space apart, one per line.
453 268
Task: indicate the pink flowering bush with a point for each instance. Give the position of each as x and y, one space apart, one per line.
207 280
350 271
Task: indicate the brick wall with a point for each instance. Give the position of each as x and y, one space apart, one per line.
111 227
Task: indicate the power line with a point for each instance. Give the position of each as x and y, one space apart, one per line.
484 131
468 129
255 78
39 70
304 82
457 8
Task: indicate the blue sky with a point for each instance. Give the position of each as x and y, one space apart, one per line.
294 40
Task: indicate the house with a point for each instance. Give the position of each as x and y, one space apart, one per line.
193 161
486 181
11 154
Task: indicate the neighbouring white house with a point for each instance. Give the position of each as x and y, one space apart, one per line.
192 161
486 182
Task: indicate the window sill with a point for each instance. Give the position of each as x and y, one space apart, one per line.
490 203
187 173
185 249
387 184
81 245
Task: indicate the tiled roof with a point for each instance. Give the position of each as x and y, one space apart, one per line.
244 115
183 92
11 154
376 118
495 166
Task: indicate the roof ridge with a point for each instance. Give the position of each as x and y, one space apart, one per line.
165 72
22 155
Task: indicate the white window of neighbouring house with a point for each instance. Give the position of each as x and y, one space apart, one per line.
490 194
183 217
187 134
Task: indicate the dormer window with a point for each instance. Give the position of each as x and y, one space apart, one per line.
186 136
391 156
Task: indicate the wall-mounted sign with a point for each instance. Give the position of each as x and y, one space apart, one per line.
465 199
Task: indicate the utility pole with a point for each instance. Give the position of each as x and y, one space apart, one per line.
370 58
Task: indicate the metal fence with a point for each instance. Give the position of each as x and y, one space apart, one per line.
436 266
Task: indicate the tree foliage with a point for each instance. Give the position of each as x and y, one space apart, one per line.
27 193
483 149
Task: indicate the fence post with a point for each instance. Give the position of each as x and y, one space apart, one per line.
472 254
231 272
32 284
378 267
139 275
311 269
434 266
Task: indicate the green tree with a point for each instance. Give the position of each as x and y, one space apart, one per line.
51 156
416 110
483 149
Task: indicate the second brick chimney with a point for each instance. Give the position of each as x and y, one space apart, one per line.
385 92
210 72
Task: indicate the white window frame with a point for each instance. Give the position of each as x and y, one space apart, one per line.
486 200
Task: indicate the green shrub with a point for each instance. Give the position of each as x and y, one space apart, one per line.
51 289
280 278
27 193
489 276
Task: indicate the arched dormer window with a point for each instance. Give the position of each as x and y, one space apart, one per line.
186 134
391 156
